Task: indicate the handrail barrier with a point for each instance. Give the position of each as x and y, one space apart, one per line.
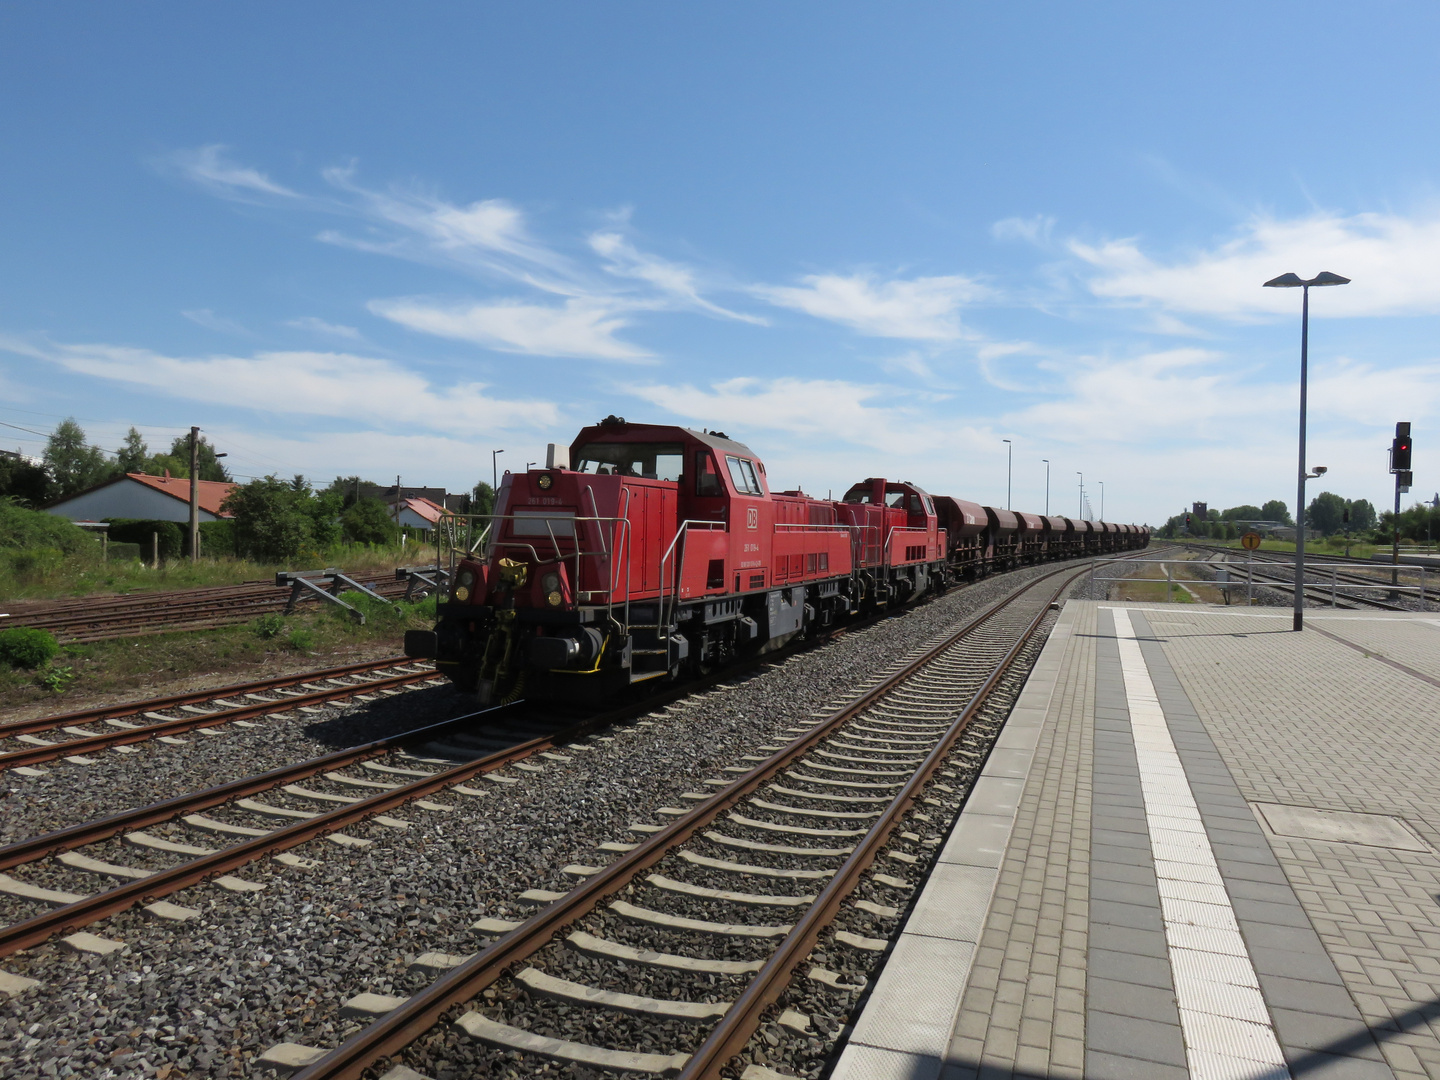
1315 577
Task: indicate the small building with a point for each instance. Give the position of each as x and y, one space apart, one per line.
150 498
418 513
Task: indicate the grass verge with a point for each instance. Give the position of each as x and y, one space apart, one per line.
98 672
50 575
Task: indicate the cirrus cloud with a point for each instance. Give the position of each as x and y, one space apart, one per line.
918 309
1390 258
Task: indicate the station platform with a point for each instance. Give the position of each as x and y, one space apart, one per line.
1204 846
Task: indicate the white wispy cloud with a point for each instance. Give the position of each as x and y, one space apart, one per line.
362 389
919 309
320 326
209 166
1390 257
219 323
582 328
671 279
1035 229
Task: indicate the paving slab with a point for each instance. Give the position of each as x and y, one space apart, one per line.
1205 845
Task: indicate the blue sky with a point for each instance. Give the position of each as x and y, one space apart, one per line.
866 239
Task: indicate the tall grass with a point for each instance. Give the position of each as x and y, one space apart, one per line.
48 572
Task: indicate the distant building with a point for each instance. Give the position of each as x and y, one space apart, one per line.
139 495
419 513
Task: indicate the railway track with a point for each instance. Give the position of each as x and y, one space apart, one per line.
833 777
106 727
1316 591
88 619
717 905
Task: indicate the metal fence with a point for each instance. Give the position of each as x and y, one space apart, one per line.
1234 574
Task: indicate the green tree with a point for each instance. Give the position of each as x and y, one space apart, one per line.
132 453
1362 515
1275 510
210 467
1325 513
274 521
23 482
326 522
1244 512
352 489
73 464
368 522
482 499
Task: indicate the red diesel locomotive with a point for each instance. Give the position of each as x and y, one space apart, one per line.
658 551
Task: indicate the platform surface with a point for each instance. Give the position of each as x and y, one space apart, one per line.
1205 846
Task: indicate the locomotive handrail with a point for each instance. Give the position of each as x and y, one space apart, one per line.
663 619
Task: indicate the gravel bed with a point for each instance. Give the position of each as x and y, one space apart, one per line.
69 794
207 996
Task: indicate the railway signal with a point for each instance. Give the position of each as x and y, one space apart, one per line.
1400 449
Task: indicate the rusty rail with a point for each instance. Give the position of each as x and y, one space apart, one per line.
421 1011
171 701
33 755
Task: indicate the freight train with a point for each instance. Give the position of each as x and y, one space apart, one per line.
652 552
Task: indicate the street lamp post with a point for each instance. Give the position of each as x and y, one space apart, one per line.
495 471
1291 281
1009 468
1046 460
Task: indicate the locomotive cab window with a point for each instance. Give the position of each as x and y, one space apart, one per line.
742 475
707 478
653 461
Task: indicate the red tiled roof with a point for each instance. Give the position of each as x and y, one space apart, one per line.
428 510
212 492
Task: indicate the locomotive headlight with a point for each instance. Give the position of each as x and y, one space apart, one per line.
553 599
462 594
467 577
546 481
550 585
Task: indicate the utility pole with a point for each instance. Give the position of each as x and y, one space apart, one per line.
195 494
1102 499
1009 469
397 502
1046 460
1081 475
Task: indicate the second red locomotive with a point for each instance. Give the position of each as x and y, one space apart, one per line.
655 551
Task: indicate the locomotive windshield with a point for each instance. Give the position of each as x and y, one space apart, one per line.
653 461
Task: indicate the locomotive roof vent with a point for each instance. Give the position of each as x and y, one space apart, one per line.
613 421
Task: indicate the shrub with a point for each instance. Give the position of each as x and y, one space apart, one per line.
302 640
217 538
269 626
368 522
143 532
21 528
272 519
27 647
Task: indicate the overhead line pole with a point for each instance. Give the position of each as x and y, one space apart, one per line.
194 494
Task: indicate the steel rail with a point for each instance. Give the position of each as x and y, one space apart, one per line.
135 708
421 1011
1316 590
164 882
742 1019
91 832
34 755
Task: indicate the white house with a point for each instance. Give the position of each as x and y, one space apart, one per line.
151 498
